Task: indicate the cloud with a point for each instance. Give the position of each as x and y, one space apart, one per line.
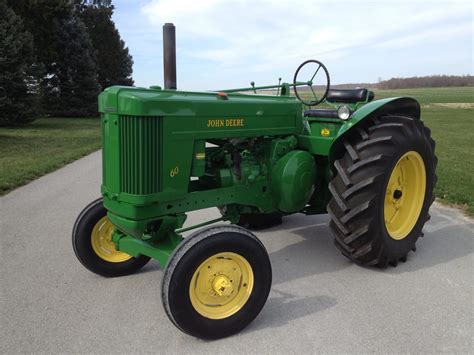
267 30
258 36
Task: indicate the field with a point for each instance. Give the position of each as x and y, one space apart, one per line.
47 144
433 95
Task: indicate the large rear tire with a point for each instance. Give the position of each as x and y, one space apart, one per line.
383 190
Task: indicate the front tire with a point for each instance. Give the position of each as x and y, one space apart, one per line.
216 282
383 190
93 246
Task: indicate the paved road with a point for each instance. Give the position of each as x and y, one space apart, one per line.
319 302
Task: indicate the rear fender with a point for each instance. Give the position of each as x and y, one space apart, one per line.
405 106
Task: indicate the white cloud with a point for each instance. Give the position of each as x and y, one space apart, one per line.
257 36
283 30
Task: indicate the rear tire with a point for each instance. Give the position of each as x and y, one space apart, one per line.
376 215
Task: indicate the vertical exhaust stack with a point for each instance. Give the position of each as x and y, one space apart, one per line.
169 55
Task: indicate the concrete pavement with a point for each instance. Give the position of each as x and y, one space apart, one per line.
320 302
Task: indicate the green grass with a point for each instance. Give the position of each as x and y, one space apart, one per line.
43 146
432 95
453 131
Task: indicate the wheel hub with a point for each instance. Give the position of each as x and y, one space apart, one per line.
405 195
397 194
102 244
221 285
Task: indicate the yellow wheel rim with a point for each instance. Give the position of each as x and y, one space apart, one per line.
221 285
102 243
405 195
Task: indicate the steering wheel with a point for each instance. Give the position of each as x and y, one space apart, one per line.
318 65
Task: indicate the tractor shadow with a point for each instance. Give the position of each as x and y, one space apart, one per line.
307 248
447 236
301 248
276 312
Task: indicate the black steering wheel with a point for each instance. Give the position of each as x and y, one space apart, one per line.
317 65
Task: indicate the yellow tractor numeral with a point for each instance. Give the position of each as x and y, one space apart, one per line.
174 171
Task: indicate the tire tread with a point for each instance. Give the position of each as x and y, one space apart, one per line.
359 175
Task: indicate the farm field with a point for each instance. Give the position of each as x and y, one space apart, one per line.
427 96
29 152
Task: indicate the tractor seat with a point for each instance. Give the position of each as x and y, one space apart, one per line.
349 95
321 113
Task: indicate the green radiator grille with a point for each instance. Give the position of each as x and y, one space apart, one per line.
140 154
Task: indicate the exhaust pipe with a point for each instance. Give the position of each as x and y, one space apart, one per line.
169 55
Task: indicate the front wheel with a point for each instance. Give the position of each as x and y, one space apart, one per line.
383 190
216 282
93 245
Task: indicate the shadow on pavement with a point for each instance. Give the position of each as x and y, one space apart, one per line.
445 239
313 254
281 310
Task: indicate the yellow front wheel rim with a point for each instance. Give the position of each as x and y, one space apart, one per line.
102 244
405 195
221 285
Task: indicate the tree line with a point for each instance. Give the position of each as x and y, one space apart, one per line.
432 81
56 56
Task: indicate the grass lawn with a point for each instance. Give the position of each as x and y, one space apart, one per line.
432 95
43 146
453 131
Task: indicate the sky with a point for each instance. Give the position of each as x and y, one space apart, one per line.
224 44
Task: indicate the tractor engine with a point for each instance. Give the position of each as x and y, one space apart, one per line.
166 153
288 175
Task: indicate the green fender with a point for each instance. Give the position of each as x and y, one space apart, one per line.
405 106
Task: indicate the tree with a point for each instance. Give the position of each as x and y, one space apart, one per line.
71 88
78 50
63 49
95 3
18 104
114 61
43 19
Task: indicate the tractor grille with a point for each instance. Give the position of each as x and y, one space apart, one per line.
140 154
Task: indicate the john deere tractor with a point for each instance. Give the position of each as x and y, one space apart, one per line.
257 154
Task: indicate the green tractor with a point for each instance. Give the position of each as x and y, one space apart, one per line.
257 154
